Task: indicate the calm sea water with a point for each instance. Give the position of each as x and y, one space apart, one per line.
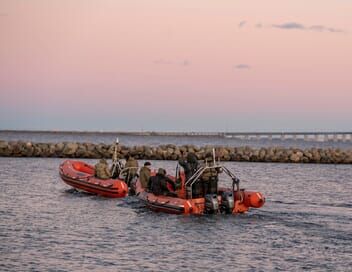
109 138
306 223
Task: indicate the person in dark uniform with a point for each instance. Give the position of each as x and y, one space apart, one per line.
190 164
159 182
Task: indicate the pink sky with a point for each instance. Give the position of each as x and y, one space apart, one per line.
176 65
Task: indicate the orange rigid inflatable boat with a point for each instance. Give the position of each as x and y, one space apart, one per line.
220 200
81 176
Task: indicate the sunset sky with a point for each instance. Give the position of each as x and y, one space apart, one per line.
182 65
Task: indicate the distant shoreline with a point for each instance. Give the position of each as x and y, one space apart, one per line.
124 133
178 133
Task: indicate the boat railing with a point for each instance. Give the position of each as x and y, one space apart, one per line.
117 166
196 177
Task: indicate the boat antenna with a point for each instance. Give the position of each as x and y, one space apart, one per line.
116 167
214 156
114 157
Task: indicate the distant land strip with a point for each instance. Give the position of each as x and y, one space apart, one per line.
183 133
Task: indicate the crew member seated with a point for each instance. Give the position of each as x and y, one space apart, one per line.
159 182
102 170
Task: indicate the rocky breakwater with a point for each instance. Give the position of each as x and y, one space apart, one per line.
173 152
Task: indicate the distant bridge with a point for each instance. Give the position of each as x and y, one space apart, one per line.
306 136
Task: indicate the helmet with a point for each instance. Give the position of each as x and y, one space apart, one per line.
103 161
162 171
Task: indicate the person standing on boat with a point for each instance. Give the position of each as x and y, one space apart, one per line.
210 175
209 172
102 170
190 164
144 175
132 167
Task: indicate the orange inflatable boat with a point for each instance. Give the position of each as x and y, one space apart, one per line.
214 200
81 176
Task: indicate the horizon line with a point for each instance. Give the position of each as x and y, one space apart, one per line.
173 133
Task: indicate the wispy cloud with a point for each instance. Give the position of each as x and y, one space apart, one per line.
290 25
162 61
242 66
4 14
294 25
184 62
242 24
321 28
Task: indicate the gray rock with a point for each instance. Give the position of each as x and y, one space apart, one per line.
70 149
59 147
295 157
3 145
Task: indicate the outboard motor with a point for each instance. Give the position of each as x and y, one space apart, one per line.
211 203
227 203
